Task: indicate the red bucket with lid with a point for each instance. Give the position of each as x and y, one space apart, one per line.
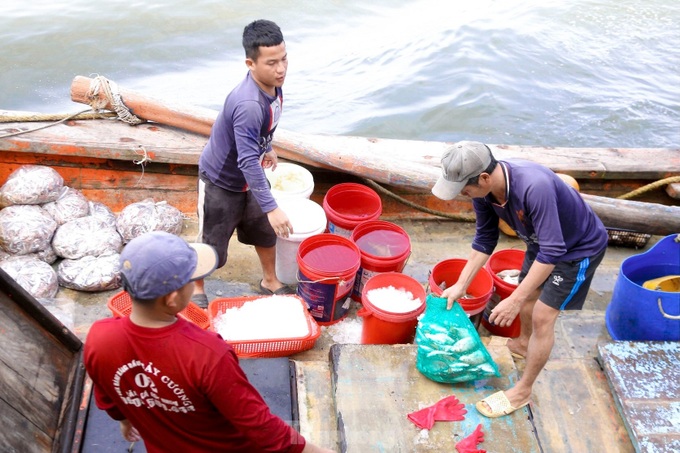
327 267
384 247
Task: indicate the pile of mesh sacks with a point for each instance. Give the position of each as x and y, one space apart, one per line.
51 235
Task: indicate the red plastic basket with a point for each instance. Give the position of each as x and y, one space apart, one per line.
276 347
121 305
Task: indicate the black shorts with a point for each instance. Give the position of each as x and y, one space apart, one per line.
567 286
221 212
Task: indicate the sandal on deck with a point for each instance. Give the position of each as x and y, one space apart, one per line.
498 405
284 290
503 341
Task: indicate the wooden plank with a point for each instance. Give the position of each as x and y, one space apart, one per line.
104 139
318 423
644 378
568 397
20 435
375 387
40 371
34 370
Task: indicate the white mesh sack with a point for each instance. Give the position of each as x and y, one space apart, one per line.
90 273
46 255
102 212
144 216
70 205
31 184
86 236
25 229
35 276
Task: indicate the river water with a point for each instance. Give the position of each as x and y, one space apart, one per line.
581 73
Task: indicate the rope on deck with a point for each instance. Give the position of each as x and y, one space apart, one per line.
31 117
57 118
447 215
471 218
649 187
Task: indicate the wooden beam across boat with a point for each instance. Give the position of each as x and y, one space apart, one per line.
171 143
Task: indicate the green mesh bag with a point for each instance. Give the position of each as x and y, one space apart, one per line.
449 347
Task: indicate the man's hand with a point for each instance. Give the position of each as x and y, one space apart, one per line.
280 223
505 312
453 293
129 432
270 160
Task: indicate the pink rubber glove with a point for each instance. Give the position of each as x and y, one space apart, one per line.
469 444
445 410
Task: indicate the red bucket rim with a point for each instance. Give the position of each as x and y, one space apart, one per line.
327 239
469 304
351 187
502 254
387 279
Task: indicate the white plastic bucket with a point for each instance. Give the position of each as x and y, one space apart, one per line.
290 181
308 218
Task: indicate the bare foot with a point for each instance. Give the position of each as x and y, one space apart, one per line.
518 350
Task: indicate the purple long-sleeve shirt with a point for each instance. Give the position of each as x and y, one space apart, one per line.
546 213
242 134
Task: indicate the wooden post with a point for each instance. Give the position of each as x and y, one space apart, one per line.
414 164
191 118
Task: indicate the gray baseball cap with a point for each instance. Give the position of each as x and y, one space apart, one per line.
460 162
158 263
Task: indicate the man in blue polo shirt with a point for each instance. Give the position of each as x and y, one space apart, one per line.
233 192
565 240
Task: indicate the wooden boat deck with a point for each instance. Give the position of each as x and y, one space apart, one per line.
573 408
373 387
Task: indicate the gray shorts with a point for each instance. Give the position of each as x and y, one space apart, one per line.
221 212
567 286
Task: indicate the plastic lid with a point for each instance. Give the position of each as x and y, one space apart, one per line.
332 259
306 216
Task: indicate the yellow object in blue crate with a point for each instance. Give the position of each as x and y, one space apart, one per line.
669 284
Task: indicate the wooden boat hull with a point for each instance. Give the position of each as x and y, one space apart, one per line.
41 375
103 159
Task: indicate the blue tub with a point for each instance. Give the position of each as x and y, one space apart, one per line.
639 314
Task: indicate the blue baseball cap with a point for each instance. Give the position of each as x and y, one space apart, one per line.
157 263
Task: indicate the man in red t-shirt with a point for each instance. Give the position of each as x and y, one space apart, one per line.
167 381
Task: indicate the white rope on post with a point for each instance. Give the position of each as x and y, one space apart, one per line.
111 96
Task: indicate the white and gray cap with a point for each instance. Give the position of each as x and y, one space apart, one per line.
460 162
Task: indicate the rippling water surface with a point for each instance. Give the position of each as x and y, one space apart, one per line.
576 73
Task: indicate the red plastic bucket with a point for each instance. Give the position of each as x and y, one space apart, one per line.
480 289
500 261
348 204
327 267
384 247
381 326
